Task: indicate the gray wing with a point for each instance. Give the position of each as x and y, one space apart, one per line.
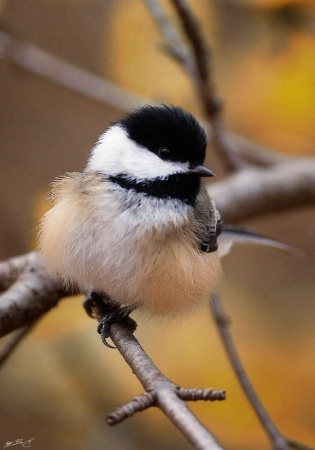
208 222
208 225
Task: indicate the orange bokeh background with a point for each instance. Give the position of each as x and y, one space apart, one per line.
60 383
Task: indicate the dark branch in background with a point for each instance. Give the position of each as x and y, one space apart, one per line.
196 60
222 323
298 445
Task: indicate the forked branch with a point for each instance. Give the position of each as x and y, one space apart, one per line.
161 392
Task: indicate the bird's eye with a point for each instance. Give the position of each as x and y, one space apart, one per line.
164 153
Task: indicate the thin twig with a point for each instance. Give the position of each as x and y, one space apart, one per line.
298 445
174 45
222 322
194 395
137 404
212 105
201 54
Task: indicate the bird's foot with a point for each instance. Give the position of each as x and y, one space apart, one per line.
117 316
107 312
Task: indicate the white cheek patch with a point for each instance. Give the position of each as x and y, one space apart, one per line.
115 153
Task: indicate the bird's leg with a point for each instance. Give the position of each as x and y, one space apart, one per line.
102 308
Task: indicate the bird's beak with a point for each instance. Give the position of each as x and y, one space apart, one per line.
201 171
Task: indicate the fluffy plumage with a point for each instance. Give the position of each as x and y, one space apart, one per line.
137 224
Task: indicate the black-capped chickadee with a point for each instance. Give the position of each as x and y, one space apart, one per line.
137 226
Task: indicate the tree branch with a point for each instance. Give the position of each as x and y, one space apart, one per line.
298 445
222 323
161 392
256 192
27 292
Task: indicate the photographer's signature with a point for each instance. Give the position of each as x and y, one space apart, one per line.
23 442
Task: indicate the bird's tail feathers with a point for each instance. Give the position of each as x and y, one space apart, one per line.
233 234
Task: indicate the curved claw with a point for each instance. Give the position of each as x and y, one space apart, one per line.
102 308
119 315
103 329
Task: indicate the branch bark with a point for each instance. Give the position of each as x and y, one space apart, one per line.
161 392
257 191
222 322
27 292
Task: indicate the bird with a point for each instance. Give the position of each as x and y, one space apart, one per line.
136 229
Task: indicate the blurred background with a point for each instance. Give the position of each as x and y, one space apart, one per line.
60 383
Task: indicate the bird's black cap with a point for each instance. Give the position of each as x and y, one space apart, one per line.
168 131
